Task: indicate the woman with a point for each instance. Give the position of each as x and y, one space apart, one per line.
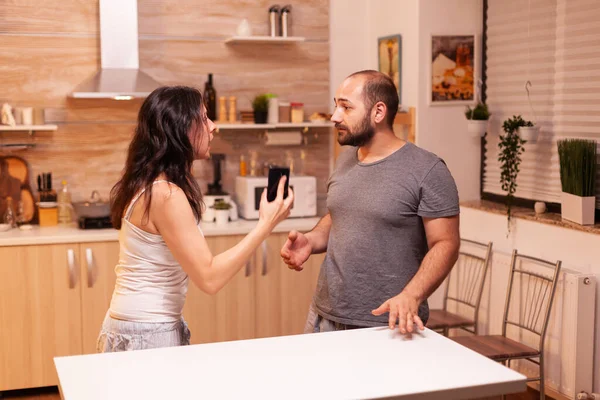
157 207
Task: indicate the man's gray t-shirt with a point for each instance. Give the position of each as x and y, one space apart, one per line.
377 239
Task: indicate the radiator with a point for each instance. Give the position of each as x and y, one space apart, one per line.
569 344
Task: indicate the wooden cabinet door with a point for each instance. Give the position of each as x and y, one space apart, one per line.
228 315
40 312
283 296
98 261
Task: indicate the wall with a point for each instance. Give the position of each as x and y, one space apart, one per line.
348 30
355 26
404 22
49 47
443 129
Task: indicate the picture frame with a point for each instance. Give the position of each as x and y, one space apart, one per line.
453 70
389 59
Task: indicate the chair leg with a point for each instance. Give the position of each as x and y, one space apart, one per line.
507 365
542 380
446 331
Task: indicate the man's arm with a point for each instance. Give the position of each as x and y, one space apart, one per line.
319 235
443 238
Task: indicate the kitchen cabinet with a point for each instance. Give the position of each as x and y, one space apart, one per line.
53 299
283 296
97 261
264 299
40 312
228 315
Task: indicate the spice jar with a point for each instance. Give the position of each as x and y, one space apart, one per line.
284 112
297 112
222 109
232 109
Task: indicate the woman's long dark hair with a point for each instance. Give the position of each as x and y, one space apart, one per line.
162 145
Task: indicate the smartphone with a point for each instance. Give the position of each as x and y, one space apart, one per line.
275 174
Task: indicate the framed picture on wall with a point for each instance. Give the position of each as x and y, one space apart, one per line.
453 70
389 52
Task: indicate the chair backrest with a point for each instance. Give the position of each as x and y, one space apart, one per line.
467 277
533 294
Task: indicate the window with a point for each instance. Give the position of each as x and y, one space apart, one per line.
553 44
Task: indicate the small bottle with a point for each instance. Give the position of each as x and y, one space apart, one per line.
300 168
288 161
285 20
20 213
273 19
232 109
210 98
243 169
222 109
64 204
9 214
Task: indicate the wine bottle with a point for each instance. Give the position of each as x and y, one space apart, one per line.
210 99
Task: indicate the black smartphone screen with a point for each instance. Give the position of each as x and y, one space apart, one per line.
275 174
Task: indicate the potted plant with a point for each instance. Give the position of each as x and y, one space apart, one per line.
477 119
221 212
511 148
577 159
260 106
529 131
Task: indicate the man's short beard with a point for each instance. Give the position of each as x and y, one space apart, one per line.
360 136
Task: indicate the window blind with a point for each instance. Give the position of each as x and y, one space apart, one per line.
554 45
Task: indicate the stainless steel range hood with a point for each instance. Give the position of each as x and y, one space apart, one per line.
120 77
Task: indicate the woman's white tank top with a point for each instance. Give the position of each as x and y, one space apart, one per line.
151 286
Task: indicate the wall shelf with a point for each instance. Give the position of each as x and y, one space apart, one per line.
265 39
281 125
28 128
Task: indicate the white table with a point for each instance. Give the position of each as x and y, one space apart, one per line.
371 363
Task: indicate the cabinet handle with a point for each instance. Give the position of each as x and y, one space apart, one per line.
71 264
249 265
89 258
264 258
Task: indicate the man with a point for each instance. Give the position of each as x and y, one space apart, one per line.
391 233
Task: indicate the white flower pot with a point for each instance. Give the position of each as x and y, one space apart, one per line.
477 128
222 217
578 209
208 215
529 133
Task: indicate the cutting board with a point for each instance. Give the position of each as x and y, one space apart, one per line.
14 182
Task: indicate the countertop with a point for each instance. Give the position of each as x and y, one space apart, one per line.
72 234
372 363
547 218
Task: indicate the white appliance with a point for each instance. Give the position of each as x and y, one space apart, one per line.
208 214
248 190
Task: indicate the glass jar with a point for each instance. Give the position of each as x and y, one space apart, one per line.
297 112
284 112
9 215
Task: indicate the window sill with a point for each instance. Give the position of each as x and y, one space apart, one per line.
528 214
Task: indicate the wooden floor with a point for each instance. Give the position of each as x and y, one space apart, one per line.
51 393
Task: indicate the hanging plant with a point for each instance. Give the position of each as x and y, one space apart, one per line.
477 119
511 148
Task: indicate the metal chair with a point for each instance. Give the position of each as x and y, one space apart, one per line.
468 276
536 294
